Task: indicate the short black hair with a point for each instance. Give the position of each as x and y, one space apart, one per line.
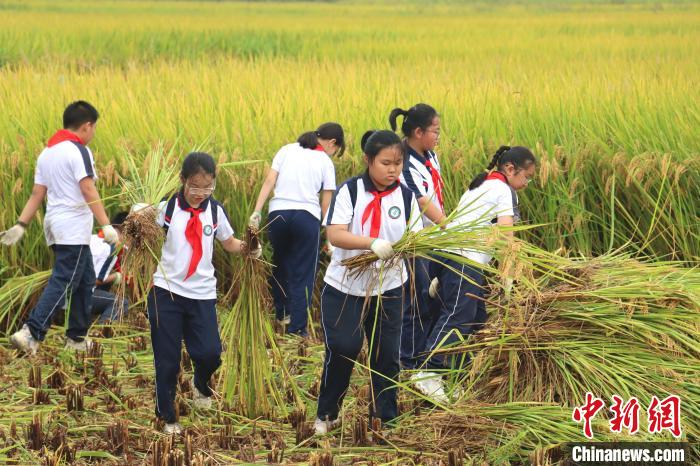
78 113
419 116
374 141
198 162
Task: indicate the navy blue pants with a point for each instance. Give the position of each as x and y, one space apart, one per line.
347 320
295 236
459 313
72 280
104 305
174 318
419 312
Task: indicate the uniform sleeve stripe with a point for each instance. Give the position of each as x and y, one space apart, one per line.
86 158
410 182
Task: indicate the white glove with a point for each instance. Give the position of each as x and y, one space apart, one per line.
254 220
110 234
12 235
433 289
139 206
382 248
255 253
330 248
117 278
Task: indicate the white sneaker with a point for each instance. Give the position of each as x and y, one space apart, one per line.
172 429
431 385
323 427
198 399
84 345
23 340
286 320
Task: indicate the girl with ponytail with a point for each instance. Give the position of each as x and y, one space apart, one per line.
299 172
491 199
421 174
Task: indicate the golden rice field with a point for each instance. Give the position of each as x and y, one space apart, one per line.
606 93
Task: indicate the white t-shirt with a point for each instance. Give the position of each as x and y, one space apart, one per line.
418 179
482 207
177 252
103 257
393 227
303 174
60 168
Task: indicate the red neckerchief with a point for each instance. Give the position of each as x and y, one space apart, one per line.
319 147
63 135
497 176
374 208
437 182
193 234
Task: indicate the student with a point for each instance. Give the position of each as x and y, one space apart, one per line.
65 175
421 173
491 199
182 302
368 212
104 259
299 172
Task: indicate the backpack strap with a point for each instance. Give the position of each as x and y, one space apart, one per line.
169 209
352 189
407 195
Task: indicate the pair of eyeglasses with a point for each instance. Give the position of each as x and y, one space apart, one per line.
200 191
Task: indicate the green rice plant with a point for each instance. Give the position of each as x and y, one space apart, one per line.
17 295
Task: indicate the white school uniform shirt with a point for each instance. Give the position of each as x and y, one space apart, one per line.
303 174
60 168
392 228
482 206
418 179
177 252
103 257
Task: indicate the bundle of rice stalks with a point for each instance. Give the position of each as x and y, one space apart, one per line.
150 180
624 327
17 295
250 385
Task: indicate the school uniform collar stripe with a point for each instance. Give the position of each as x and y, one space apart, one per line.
413 153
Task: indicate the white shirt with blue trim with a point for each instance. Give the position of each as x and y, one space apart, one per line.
418 179
177 252
393 227
60 168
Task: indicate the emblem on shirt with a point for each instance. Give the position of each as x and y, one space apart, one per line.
208 230
394 212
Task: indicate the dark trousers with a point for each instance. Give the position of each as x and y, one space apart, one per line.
72 280
104 305
294 235
459 314
418 314
172 318
346 321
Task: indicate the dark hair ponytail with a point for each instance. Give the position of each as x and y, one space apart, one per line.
520 157
419 116
373 142
330 130
198 162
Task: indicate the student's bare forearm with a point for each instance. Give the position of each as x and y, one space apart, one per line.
326 197
430 210
92 197
33 204
266 189
346 240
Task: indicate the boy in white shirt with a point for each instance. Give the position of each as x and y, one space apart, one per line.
65 175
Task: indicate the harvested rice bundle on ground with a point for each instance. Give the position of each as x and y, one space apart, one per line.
254 375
